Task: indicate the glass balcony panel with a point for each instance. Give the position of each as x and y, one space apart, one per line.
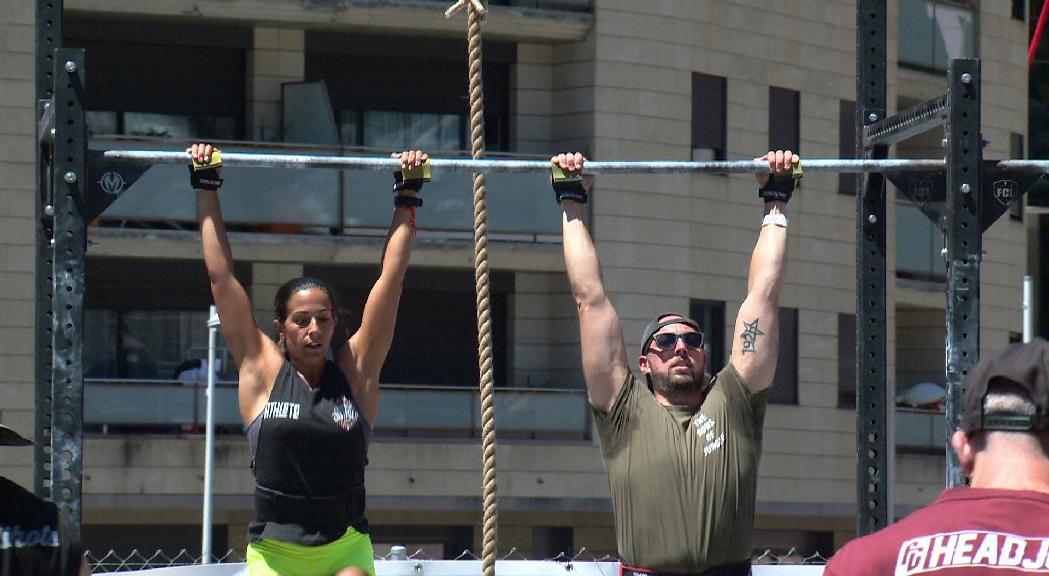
955 36
918 245
249 195
540 413
517 203
309 198
138 403
418 411
406 410
306 114
921 429
916 26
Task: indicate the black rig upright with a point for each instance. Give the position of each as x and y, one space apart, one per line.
61 247
872 447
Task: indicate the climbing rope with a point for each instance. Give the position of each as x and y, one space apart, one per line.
475 14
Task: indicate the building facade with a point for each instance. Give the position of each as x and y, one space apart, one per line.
707 79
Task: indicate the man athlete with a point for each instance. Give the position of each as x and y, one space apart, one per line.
682 451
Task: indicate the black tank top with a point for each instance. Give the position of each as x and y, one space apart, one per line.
309 448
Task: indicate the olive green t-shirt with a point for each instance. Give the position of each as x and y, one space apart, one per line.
683 479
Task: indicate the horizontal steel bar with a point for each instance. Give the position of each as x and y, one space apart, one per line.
910 122
540 166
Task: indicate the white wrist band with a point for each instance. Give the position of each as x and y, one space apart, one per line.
775 219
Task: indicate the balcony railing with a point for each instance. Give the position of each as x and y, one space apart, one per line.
564 5
168 406
921 430
326 201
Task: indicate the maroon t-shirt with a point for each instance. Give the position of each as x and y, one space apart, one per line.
965 532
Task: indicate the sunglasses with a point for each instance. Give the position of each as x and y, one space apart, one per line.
668 340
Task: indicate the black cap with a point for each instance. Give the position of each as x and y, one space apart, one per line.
661 321
1025 365
9 437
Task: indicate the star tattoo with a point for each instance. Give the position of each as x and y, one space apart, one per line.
750 336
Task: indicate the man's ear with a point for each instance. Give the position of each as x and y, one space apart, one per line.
966 451
642 363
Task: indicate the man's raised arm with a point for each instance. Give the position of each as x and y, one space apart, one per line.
755 338
605 364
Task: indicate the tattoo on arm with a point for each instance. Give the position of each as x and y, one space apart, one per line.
749 336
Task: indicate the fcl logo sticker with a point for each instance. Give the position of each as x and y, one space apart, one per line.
1004 191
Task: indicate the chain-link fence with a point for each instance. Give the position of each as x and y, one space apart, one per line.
137 560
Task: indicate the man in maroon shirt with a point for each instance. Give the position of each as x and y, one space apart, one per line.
1000 524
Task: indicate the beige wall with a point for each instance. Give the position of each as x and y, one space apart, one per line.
17 231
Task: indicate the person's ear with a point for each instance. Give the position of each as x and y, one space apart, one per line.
966 451
642 363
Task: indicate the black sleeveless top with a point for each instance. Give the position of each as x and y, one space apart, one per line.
309 449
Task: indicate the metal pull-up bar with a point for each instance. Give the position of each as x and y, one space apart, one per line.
251 160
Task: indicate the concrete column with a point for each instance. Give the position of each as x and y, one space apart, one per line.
532 98
277 56
266 279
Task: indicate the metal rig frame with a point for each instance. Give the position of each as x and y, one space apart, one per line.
963 195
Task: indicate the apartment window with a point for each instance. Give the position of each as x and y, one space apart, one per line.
785 383
846 143
394 130
1019 10
153 125
932 32
552 541
426 108
144 319
142 85
710 315
1016 150
919 245
436 334
846 360
784 119
709 117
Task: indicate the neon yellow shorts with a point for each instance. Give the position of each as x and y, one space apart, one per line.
275 558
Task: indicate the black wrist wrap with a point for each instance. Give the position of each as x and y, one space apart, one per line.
779 188
205 179
413 201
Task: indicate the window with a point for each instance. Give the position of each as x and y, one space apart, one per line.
785 383
394 130
549 542
846 143
709 114
710 315
784 123
144 319
846 360
1016 150
436 334
919 245
172 126
142 82
932 32
390 92
1019 10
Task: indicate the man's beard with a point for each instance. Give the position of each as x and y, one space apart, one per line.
675 383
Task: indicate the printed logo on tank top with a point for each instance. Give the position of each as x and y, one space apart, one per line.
345 413
973 548
706 428
14 536
281 410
